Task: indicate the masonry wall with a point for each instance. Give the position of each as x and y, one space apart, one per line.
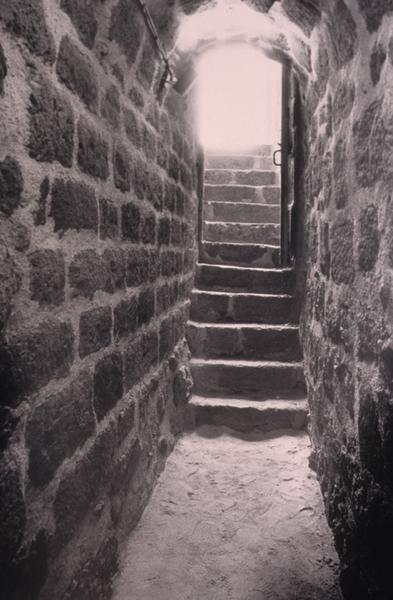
97 251
347 317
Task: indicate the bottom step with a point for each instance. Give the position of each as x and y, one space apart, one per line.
259 380
247 416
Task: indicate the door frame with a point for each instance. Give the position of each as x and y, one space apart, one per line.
286 152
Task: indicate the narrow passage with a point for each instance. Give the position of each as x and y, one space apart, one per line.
232 518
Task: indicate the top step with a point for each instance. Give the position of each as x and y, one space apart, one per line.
242 162
262 150
240 177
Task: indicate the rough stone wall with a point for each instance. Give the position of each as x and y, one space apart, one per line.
347 318
97 250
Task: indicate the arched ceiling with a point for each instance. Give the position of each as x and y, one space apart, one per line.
282 28
304 13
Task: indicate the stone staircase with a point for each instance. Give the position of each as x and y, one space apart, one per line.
243 331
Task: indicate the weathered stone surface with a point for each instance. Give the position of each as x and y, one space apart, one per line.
47 276
341 246
40 212
94 577
343 100
12 518
26 19
166 337
148 229
58 427
108 384
127 28
340 174
3 69
374 11
146 306
340 322
390 50
369 238
111 106
11 185
73 206
130 222
247 233
8 424
115 269
371 330
322 70
128 473
122 169
81 486
29 360
377 61
140 356
137 97
109 227
305 14
151 185
244 342
251 308
51 125
247 379
75 70
95 330
82 15
137 267
126 420
88 273
164 230
324 249
29 569
343 32
125 317
11 279
216 277
147 64
154 264
371 146
182 386
370 442
92 151
131 127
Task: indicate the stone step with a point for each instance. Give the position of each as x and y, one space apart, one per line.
229 307
240 162
223 277
250 233
241 177
248 342
265 194
247 416
249 379
261 150
241 212
241 255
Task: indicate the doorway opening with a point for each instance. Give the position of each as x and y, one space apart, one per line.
240 116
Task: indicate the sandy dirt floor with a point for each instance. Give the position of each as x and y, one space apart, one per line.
233 519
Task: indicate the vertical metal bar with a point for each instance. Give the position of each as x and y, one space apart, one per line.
285 142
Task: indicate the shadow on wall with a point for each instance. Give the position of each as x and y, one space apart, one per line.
98 219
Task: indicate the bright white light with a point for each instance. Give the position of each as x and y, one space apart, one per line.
222 21
238 98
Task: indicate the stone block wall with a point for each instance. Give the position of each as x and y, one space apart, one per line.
97 249
347 316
